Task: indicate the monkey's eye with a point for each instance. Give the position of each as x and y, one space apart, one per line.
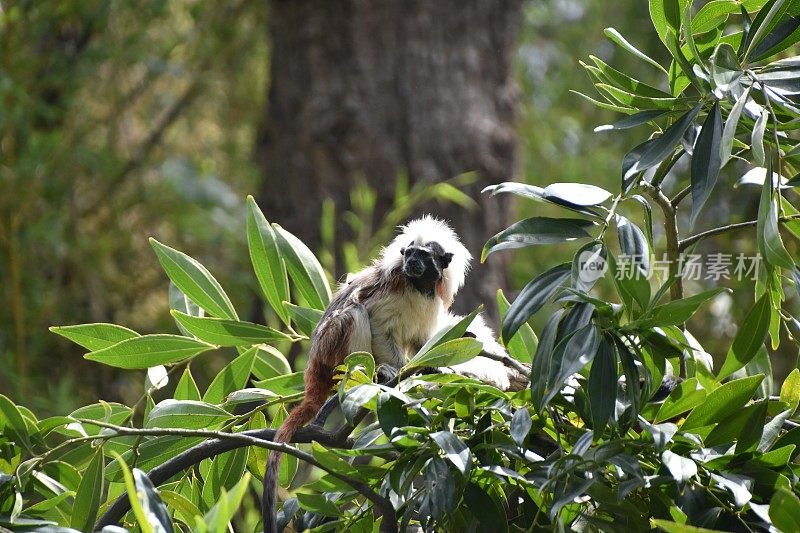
402 251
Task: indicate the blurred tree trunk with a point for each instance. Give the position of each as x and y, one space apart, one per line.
369 89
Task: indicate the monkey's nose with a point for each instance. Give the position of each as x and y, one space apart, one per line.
414 268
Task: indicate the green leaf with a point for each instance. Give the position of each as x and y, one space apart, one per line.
677 311
318 504
580 194
605 73
772 11
784 510
268 264
532 192
452 352
233 377
454 450
571 355
620 41
187 388
770 242
283 385
790 390
270 363
729 131
640 102
195 281
521 424
706 161
602 386
757 141
685 396
224 332
304 319
88 495
537 230
130 487
535 294
637 119
182 303
11 418
666 14
523 344
681 468
750 337
456 331
674 527
226 470
484 508
155 510
188 414
95 336
217 518
304 269
654 151
725 67
634 245
784 35
149 350
722 402
152 453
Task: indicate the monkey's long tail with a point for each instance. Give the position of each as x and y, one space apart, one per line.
318 382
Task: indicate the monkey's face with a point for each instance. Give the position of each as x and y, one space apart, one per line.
423 265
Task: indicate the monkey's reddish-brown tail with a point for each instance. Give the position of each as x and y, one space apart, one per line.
318 383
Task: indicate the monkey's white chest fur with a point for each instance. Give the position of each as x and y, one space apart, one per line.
401 324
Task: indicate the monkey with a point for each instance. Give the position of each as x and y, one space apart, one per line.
390 309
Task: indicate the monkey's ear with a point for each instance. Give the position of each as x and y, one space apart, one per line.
402 251
446 258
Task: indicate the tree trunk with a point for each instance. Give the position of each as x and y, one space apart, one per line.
371 89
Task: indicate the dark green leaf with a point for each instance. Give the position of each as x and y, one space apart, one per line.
523 344
454 450
149 350
537 230
267 261
195 281
602 386
189 414
725 67
681 468
678 311
618 39
485 508
722 402
520 425
535 294
95 336
729 131
155 510
784 510
233 377
89 494
634 245
533 192
706 161
637 119
452 352
304 319
304 269
224 332
750 337
577 352
589 265
685 396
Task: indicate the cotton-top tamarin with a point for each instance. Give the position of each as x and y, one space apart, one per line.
389 309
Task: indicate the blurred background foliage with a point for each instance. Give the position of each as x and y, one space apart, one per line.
128 119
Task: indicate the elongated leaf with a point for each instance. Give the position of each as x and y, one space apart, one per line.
521 424
763 22
790 390
152 453
729 131
187 387
224 332
455 331
187 414
706 161
750 337
725 67
283 385
619 40
535 294
454 450
268 263
233 377
784 510
685 396
89 494
304 269
681 468
602 387
537 230
605 73
637 119
654 151
679 311
142 519
523 344
534 192
722 402
633 244
304 319
195 281
577 352
95 336
452 352
577 193
784 35
149 350
154 509
757 141
226 507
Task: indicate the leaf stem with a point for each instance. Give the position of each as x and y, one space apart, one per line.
689 241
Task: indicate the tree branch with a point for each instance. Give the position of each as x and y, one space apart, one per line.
220 442
689 241
671 231
681 195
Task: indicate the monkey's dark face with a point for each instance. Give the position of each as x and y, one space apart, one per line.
423 266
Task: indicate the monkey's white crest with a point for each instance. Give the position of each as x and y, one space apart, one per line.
422 231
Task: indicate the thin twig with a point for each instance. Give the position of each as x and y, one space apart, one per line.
508 361
689 241
681 195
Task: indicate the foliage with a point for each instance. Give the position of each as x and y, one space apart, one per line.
593 444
